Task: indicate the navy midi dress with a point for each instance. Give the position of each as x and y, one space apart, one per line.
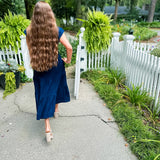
50 88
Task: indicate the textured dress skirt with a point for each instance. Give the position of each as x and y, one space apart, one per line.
50 87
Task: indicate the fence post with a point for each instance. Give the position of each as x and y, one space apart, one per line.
81 62
116 36
127 39
115 42
26 58
83 52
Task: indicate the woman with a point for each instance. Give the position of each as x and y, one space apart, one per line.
49 78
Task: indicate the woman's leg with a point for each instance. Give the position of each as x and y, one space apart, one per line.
56 108
49 135
47 125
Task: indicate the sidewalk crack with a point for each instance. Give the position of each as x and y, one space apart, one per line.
15 97
93 115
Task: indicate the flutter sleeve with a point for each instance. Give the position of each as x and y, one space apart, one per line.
61 31
25 32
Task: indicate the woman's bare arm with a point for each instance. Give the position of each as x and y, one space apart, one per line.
68 47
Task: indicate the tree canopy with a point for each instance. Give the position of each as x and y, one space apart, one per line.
75 8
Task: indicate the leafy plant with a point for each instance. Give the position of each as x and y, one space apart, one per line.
156 51
92 75
136 96
115 77
24 78
10 84
148 24
140 33
107 92
10 66
131 125
11 28
97 34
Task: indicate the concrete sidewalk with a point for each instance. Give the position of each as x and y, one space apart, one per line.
85 129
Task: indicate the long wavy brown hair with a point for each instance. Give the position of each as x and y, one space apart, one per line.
42 38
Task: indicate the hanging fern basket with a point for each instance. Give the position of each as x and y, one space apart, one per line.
97 34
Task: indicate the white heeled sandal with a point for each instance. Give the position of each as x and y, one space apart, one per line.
49 136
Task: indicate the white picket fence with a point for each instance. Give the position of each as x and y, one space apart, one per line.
21 56
9 54
140 67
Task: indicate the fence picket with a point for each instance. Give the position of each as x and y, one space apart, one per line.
89 62
151 75
157 94
95 65
148 79
8 54
155 76
92 60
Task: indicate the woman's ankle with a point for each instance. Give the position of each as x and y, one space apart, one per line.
47 126
56 108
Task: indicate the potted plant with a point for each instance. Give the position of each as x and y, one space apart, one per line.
10 74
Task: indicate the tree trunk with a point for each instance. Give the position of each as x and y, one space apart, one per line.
66 15
27 10
78 9
95 7
152 10
131 6
116 10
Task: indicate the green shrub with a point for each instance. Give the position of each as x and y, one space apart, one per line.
92 75
140 33
115 77
72 28
11 28
149 25
137 97
156 51
107 92
131 125
24 78
69 27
